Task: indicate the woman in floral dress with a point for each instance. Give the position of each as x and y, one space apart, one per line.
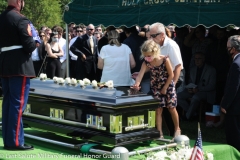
161 82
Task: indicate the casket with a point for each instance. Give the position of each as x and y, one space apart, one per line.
114 116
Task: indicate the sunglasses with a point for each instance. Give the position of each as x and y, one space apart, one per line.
41 35
89 29
79 31
155 35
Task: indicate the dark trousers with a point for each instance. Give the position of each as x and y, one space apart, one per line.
53 68
81 71
37 65
15 96
73 68
232 130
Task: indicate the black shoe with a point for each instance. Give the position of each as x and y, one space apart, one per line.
19 148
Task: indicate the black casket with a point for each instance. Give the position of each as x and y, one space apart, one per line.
108 115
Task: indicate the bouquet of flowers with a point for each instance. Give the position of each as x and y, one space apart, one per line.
43 77
176 154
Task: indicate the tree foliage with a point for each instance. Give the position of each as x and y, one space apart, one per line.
42 12
3 5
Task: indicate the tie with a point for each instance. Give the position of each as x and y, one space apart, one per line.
91 44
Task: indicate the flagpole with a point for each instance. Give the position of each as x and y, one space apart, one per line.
198 128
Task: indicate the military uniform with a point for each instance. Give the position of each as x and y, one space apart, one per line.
16 69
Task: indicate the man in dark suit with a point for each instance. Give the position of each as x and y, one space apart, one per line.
85 47
230 104
204 77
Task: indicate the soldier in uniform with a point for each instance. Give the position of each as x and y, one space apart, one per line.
16 69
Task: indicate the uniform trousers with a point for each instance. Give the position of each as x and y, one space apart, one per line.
15 96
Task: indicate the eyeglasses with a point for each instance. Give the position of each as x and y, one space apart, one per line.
90 29
155 35
79 31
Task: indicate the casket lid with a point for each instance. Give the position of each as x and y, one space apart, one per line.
114 96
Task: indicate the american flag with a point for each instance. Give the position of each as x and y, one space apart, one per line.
197 153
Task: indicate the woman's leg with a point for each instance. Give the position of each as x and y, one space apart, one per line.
57 68
175 119
159 120
50 69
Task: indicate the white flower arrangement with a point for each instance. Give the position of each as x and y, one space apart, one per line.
68 80
55 79
73 82
81 83
94 83
43 76
86 81
176 154
109 84
60 81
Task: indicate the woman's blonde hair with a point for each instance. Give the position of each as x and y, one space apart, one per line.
113 36
150 46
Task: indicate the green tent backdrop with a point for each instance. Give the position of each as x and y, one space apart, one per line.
141 12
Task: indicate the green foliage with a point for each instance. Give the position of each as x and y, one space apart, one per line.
3 5
42 12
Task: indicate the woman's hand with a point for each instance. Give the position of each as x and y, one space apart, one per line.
136 87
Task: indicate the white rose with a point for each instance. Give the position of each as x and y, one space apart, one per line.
43 76
110 84
81 82
94 83
61 80
68 80
73 81
55 79
86 81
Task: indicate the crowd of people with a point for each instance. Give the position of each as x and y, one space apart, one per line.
198 59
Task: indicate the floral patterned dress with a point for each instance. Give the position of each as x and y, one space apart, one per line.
159 77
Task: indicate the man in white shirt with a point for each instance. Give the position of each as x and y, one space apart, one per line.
171 49
168 48
62 43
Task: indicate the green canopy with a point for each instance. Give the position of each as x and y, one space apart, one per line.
141 12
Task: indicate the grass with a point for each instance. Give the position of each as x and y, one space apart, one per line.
215 135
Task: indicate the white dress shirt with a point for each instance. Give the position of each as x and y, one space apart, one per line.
62 43
73 56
